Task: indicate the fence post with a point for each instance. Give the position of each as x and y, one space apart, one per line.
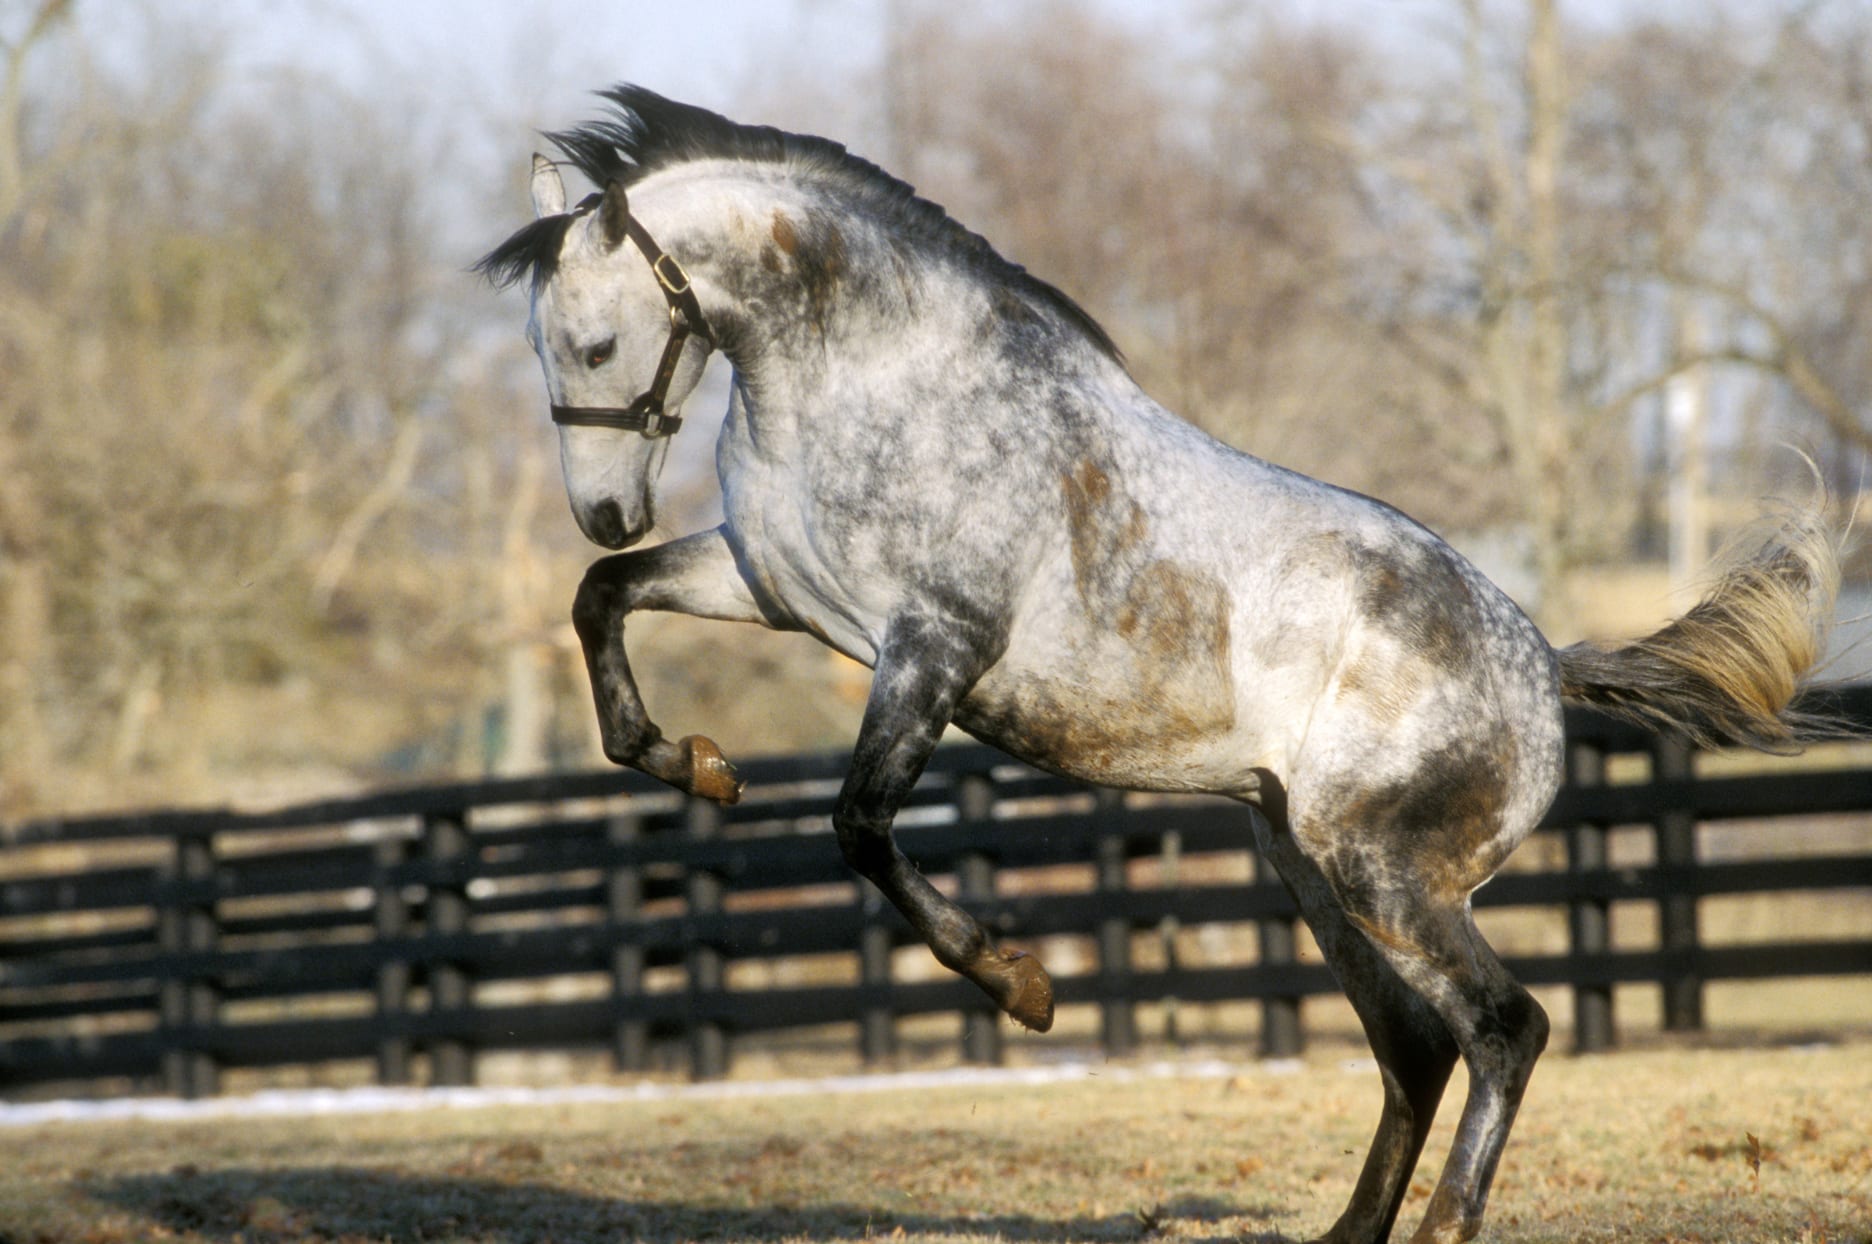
392 920
190 1003
624 892
981 1023
708 1043
1677 912
1117 1006
1170 847
445 837
1589 920
1281 1033
877 1028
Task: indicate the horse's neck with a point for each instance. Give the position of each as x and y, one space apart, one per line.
808 294
836 326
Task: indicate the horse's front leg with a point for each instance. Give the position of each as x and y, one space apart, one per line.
925 668
696 575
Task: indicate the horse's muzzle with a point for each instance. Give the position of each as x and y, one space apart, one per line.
604 525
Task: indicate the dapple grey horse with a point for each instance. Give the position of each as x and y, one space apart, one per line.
938 465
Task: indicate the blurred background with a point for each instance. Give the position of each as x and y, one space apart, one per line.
279 502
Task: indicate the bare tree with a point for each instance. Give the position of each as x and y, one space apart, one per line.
232 392
1481 292
1555 204
263 459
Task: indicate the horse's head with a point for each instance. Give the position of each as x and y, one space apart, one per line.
610 322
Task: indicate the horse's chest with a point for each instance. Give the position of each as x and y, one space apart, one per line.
801 564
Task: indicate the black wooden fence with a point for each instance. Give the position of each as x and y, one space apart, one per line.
385 928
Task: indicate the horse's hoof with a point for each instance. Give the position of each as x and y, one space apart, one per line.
1031 1000
708 773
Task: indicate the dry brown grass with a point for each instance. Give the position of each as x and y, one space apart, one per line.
1730 1145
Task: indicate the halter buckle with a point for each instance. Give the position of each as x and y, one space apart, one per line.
670 275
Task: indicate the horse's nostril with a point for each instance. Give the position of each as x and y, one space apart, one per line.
607 524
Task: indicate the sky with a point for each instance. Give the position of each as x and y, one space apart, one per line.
544 55
522 66
704 50
539 58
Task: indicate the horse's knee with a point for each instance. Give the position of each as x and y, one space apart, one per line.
596 603
1521 1022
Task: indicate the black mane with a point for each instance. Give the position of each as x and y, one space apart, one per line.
647 133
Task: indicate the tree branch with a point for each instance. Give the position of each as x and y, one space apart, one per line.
12 97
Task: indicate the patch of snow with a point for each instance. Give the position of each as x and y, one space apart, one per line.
301 1102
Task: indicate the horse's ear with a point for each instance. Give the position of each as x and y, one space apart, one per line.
548 189
614 213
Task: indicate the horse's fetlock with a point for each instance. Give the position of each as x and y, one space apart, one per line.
626 742
962 958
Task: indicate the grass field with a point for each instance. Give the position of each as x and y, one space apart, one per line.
1666 1144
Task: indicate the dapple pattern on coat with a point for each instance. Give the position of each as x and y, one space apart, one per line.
937 464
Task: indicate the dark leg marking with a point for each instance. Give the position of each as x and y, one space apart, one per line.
1502 1032
926 667
695 575
1401 868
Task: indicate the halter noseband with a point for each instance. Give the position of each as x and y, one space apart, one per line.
646 414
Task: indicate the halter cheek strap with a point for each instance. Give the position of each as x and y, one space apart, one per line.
646 413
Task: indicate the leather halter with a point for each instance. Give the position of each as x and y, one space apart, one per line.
646 413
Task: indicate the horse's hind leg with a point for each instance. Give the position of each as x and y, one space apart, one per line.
1423 929
1413 1046
1501 1031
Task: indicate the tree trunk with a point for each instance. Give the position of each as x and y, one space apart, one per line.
1547 345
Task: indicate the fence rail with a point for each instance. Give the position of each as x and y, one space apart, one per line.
384 928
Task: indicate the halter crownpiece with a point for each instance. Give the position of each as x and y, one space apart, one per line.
646 413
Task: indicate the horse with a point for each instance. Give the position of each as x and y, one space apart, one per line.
938 464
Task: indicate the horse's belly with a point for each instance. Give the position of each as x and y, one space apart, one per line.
1139 710
1124 662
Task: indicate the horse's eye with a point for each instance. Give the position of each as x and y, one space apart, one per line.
599 355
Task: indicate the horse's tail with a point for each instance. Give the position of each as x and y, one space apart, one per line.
1727 671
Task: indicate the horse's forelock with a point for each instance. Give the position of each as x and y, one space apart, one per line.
532 249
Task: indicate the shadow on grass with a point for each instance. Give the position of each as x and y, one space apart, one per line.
265 1206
